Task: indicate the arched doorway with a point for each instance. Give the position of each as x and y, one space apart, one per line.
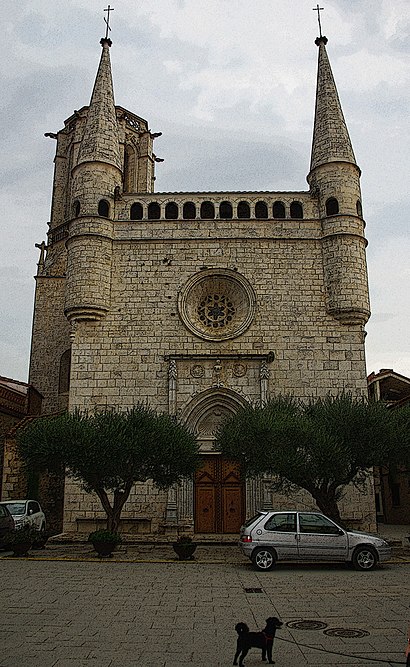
219 491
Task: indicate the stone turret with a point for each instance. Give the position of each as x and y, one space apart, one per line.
334 178
96 182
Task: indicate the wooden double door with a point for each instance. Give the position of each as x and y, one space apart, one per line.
219 497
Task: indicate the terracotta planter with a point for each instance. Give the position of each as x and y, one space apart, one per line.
184 550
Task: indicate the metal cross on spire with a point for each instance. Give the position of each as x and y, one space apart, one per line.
107 20
318 10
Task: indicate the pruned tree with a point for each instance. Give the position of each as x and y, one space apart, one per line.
108 452
322 445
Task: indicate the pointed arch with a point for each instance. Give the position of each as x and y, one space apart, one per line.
209 408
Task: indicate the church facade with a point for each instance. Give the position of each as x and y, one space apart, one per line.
197 302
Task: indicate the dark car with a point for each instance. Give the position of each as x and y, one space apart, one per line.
6 525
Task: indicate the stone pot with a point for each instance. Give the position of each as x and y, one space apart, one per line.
104 549
21 548
184 550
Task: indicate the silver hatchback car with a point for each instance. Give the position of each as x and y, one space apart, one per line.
269 537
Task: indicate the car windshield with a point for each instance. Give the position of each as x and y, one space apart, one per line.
16 508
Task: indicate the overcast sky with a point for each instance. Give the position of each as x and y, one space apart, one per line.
231 85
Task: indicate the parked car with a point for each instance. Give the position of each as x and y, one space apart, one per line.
285 535
26 513
6 525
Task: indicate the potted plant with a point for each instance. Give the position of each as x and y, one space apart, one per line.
184 547
21 541
104 542
40 538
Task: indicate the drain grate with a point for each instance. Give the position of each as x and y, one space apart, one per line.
253 590
346 633
306 625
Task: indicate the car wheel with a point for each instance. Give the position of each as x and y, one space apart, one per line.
263 559
364 558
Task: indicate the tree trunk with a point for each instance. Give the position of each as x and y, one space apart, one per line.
113 511
327 503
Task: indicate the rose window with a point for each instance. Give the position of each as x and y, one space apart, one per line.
217 304
216 311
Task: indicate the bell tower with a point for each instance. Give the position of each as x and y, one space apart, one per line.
95 177
334 179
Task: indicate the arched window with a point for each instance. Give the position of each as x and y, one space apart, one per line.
207 210
243 210
296 210
189 211
225 209
279 209
154 211
171 211
261 210
359 208
64 372
136 212
332 206
103 208
76 208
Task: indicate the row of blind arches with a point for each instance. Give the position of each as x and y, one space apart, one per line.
207 210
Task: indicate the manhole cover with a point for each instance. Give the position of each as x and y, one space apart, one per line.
253 590
346 633
306 625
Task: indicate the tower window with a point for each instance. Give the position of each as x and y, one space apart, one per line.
279 210
76 208
332 206
171 211
296 210
207 210
189 211
359 208
261 210
103 208
136 212
243 210
154 211
225 209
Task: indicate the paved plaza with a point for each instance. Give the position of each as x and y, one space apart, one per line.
127 612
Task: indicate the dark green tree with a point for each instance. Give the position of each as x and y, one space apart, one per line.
108 452
321 445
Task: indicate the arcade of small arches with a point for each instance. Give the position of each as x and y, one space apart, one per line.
207 210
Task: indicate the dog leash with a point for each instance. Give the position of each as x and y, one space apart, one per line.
345 655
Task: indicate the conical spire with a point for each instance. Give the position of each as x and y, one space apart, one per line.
331 141
100 140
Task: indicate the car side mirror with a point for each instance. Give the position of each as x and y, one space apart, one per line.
340 532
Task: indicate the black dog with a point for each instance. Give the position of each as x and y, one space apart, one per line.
262 640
